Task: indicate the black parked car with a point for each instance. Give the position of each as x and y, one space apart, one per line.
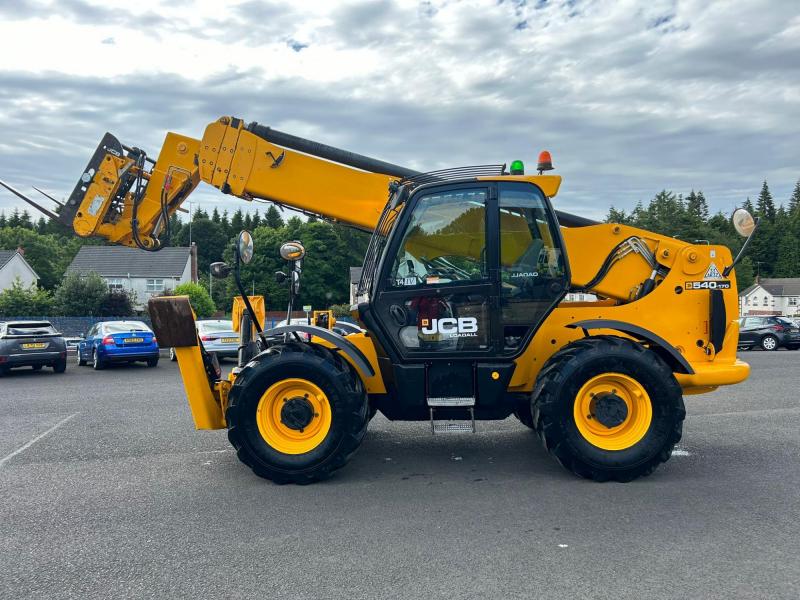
31 344
770 333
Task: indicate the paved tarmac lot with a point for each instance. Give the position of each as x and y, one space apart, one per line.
107 491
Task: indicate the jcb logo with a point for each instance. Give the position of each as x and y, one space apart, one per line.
461 327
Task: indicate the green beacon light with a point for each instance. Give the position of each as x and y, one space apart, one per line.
517 168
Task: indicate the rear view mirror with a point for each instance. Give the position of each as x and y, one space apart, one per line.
244 246
220 270
743 222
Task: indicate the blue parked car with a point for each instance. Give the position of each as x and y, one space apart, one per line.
118 341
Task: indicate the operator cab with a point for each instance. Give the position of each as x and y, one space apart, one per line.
467 272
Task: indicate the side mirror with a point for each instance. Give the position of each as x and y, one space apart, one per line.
220 270
244 246
743 222
280 276
745 225
292 251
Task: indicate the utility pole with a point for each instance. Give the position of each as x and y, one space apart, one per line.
191 218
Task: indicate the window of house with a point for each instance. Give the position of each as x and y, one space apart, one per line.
793 301
766 301
155 285
115 284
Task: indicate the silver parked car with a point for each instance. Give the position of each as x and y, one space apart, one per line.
31 344
218 338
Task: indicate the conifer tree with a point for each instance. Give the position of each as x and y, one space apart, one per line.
273 218
765 205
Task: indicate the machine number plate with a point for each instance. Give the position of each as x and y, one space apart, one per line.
229 340
37 346
708 285
133 340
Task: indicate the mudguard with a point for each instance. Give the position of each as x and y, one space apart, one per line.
640 333
337 340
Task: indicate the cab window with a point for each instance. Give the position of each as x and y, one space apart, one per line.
532 267
444 242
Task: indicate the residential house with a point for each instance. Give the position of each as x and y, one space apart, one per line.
771 296
143 273
13 266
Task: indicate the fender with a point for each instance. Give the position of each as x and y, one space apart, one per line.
329 336
640 333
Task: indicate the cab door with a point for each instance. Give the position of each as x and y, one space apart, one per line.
437 282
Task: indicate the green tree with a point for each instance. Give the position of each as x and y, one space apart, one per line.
616 216
198 297
794 201
273 218
79 296
49 254
21 301
116 303
765 206
210 239
237 221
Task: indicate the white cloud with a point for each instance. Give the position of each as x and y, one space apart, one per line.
631 97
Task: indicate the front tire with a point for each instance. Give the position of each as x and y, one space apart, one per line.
297 414
97 362
608 409
769 343
81 361
172 356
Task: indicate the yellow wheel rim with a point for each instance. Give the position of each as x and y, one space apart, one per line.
631 429
286 434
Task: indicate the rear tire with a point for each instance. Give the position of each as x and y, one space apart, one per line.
97 362
37 367
152 362
653 420
346 406
60 366
769 343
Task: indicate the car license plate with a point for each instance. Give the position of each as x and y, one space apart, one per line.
133 340
229 340
37 346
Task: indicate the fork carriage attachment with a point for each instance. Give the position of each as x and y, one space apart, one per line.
174 325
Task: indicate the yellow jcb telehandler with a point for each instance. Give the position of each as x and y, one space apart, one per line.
462 302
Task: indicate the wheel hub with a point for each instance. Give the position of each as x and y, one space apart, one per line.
297 413
610 410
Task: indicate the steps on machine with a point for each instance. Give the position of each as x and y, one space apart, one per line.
451 426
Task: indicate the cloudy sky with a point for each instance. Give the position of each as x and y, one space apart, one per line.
630 97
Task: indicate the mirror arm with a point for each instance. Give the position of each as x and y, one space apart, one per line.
245 298
728 269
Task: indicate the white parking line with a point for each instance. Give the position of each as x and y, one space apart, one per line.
36 439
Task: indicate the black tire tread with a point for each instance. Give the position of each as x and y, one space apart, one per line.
355 398
545 397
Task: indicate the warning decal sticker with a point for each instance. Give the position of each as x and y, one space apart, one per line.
712 272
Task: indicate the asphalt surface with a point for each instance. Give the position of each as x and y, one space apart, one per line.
124 499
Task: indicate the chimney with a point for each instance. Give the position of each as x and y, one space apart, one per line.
193 253
21 250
